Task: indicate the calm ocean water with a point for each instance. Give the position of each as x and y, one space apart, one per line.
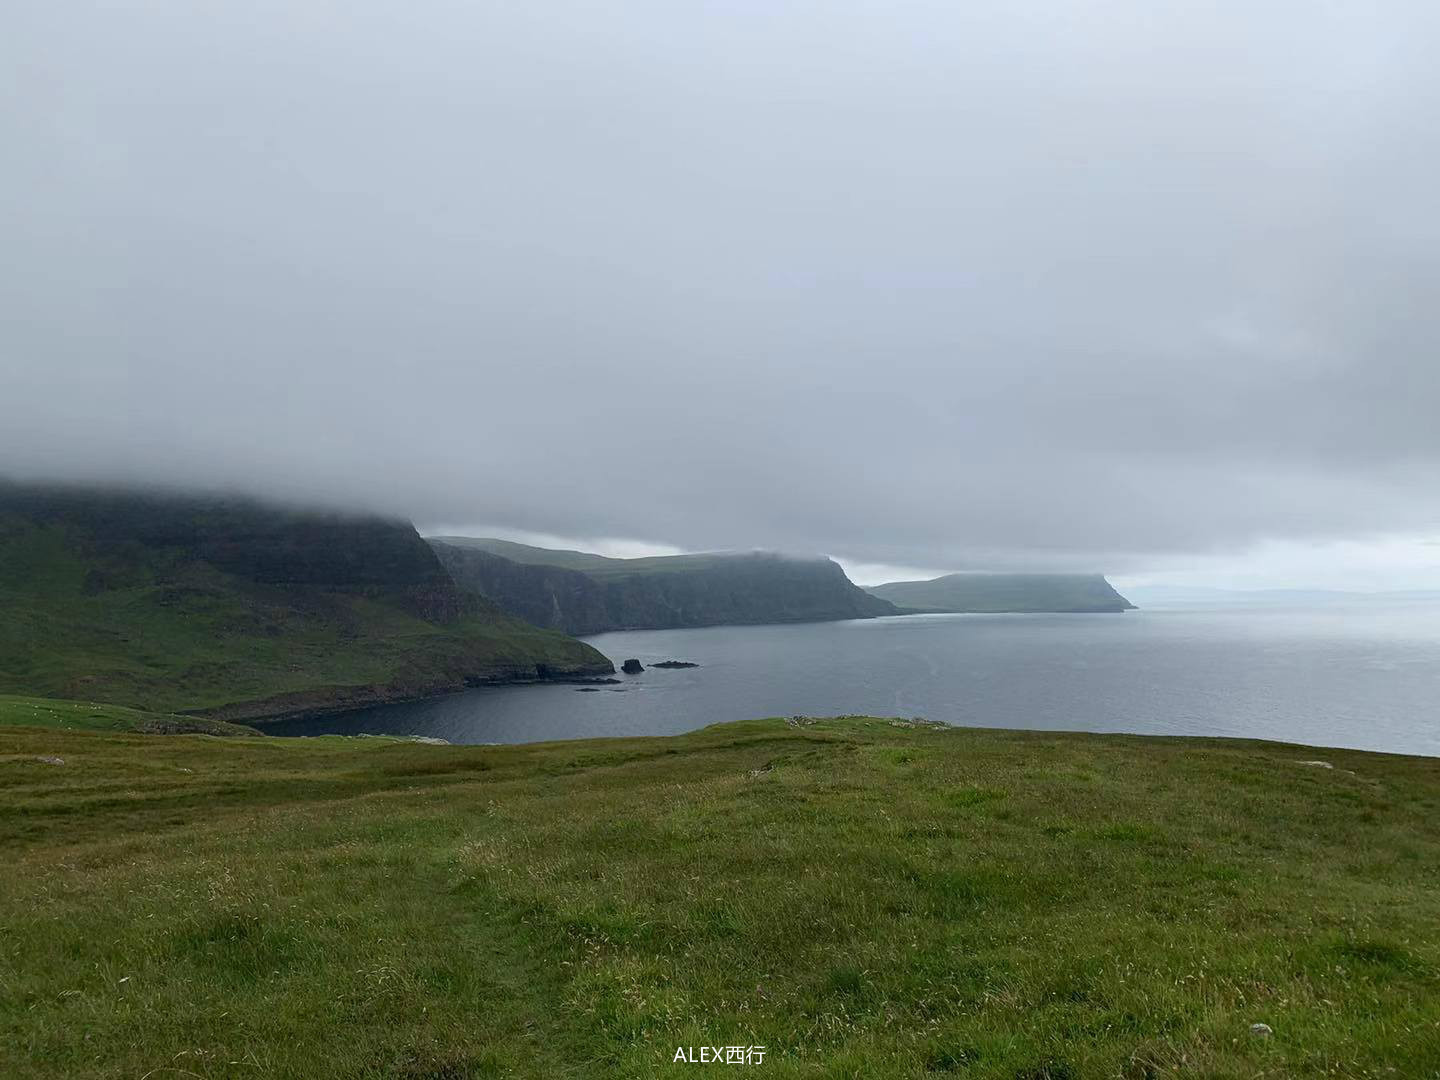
1356 676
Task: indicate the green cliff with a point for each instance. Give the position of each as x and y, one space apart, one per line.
581 593
242 610
975 592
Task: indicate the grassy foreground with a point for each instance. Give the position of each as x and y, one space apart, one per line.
861 898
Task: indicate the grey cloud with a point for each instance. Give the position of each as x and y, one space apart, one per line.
1084 284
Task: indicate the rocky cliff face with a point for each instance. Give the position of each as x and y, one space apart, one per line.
549 596
657 593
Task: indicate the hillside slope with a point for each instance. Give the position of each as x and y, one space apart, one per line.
1005 592
240 609
581 593
861 898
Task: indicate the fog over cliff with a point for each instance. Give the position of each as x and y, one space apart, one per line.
1085 285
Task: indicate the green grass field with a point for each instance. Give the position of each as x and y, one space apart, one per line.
863 899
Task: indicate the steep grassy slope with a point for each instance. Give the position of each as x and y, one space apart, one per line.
217 604
581 593
1004 592
861 899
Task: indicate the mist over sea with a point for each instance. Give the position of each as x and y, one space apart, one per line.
1361 676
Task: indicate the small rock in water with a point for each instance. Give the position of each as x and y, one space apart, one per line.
632 667
47 759
1263 1030
675 664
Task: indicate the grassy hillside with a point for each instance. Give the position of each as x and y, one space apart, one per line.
98 716
186 604
975 592
862 899
581 593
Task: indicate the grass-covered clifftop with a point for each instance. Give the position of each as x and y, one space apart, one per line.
582 593
862 899
207 603
980 592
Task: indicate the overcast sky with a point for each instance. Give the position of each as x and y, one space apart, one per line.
1135 287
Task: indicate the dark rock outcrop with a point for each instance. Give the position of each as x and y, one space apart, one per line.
632 667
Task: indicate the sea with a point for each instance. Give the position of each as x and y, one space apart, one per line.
1364 676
